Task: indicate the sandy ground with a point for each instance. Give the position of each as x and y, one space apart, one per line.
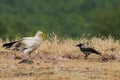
50 67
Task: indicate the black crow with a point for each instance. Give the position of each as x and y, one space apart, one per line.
87 50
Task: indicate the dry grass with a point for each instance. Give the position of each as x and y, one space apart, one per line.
49 64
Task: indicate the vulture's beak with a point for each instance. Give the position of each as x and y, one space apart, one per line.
43 35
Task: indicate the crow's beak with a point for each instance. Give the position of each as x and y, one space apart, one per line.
77 45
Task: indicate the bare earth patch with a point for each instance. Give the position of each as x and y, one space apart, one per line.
50 67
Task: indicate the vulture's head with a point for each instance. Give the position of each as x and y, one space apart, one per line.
40 34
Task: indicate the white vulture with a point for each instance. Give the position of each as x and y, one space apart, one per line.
26 45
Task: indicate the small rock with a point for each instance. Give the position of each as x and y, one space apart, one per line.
103 59
27 61
70 56
18 57
109 57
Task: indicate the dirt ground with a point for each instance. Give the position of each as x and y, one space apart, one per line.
61 60
49 67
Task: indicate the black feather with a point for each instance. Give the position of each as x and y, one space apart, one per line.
8 45
91 50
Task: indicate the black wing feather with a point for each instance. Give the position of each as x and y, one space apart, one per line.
8 45
91 50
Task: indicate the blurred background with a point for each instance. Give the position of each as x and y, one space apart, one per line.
68 18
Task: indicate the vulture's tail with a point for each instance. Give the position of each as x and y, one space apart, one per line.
8 45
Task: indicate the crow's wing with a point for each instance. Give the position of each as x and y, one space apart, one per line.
92 50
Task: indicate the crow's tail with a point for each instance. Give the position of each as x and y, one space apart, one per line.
99 53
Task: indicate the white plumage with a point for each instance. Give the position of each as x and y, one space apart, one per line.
26 45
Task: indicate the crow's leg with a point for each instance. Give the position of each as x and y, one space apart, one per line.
86 55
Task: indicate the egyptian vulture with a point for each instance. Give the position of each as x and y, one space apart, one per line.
26 45
87 50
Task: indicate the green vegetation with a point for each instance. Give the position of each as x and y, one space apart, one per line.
64 17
